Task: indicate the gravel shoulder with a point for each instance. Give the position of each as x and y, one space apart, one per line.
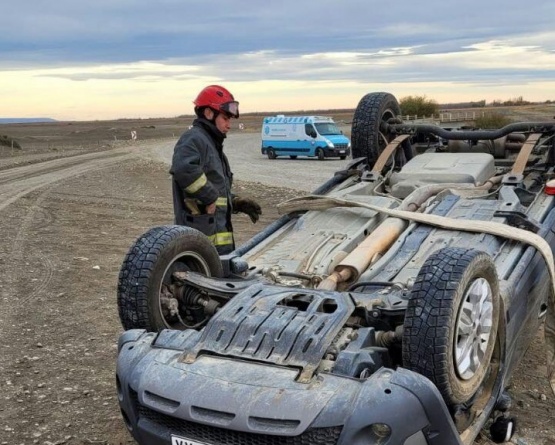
63 244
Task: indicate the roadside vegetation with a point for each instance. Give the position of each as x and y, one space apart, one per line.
492 120
418 106
492 115
7 141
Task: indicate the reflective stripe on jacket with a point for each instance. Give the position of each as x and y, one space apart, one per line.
201 176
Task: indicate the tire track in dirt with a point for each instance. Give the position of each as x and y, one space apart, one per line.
43 267
20 181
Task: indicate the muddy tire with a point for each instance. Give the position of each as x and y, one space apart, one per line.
450 328
366 138
147 271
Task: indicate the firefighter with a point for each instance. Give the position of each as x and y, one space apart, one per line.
201 176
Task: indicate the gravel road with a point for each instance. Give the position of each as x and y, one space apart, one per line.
248 164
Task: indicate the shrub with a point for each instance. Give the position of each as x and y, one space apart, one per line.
418 105
492 121
7 141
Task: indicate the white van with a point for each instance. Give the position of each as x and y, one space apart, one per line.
303 136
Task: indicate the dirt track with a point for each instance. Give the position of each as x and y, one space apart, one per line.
66 225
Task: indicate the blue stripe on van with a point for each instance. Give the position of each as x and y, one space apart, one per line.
289 144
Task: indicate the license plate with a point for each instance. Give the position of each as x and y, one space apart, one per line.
178 440
341 151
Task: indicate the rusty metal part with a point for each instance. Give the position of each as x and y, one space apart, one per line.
383 236
373 247
388 151
524 154
339 275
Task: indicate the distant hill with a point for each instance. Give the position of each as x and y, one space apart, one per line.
24 120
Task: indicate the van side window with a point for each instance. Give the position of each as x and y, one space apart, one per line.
309 130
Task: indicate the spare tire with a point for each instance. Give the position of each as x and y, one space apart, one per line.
145 276
366 138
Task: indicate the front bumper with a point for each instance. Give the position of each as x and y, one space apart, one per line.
217 401
336 152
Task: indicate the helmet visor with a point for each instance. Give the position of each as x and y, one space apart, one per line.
231 108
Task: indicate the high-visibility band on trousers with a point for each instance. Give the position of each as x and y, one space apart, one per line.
221 202
197 185
221 238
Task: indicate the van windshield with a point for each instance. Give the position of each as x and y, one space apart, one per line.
326 128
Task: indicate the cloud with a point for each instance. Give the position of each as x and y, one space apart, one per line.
288 50
125 31
488 59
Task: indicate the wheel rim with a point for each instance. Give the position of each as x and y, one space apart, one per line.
473 328
185 261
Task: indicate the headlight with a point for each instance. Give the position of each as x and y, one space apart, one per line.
349 145
330 144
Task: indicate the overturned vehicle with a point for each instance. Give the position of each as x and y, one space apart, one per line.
390 306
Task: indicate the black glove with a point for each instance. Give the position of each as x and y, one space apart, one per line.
248 206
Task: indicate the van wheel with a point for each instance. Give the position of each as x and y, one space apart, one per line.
320 154
293 157
271 153
367 139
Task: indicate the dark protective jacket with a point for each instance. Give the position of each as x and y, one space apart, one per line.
201 176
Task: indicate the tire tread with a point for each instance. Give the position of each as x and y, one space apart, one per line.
136 273
430 312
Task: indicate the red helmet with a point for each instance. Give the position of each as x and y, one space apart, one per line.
219 99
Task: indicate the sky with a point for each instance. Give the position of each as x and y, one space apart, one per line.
109 59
